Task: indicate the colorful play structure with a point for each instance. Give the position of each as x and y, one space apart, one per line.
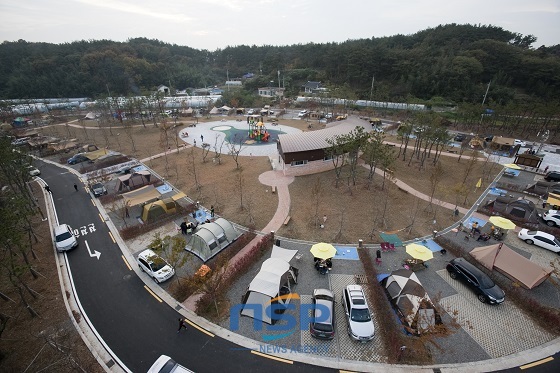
257 129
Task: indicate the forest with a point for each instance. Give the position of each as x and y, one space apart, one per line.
449 63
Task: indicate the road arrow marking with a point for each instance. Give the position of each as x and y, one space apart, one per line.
95 252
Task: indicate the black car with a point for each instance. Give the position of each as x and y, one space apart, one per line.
477 280
552 176
460 137
78 158
323 329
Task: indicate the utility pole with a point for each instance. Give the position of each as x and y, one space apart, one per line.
371 90
487 89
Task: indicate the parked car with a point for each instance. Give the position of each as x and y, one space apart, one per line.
33 171
360 324
165 364
519 142
478 281
251 112
98 189
552 176
460 137
124 170
21 141
64 238
552 218
303 113
323 329
155 266
329 116
78 158
542 239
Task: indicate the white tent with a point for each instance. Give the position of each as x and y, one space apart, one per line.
211 238
272 285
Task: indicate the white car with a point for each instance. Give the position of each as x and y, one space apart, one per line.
251 112
360 324
519 142
155 266
33 171
165 364
303 113
329 116
542 239
552 218
64 238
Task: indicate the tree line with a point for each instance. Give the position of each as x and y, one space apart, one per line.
451 63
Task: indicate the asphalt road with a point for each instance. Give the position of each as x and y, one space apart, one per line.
136 326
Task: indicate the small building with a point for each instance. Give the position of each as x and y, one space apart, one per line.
306 153
312 87
271 92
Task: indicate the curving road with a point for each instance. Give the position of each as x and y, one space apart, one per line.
133 322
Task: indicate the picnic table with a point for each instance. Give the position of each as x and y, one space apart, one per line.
415 264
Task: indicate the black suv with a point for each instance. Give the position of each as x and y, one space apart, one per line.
482 285
460 137
552 176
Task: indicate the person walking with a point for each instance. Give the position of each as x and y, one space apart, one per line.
76 186
201 138
126 213
181 325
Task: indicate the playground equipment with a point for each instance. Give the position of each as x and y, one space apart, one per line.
257 130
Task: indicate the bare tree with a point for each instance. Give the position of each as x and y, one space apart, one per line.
218 146
172 248
236 145
191 168
317 195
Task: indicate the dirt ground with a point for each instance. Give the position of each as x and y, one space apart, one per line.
353 212
48 342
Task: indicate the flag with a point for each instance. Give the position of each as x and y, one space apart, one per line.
479 184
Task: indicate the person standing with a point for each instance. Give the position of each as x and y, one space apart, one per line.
183 228
126 213
201 138
76 186
181 325
47 188
212 210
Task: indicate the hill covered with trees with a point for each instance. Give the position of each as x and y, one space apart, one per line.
450 62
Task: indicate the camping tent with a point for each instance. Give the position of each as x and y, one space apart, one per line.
515 209
152 211
511 264
542 188
138 196
272 285
413 304
214 111
135 179
211 238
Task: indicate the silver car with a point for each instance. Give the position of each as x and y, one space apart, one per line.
360 324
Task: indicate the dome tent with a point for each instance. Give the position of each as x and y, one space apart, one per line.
211 238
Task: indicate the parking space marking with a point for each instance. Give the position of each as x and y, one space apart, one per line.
500 330
126 262
199 328
535 363
272 357
153 294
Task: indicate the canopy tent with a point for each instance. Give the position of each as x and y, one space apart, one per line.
413 304
284 254
134 179
90 115
211 238
511 264
214 110
272 285
138 196
92 156
187 112
153 210
553 199
391 238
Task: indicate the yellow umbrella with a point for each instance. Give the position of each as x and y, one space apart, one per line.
513 166
419 252
323 250
503 223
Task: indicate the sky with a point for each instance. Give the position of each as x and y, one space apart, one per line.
216 24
